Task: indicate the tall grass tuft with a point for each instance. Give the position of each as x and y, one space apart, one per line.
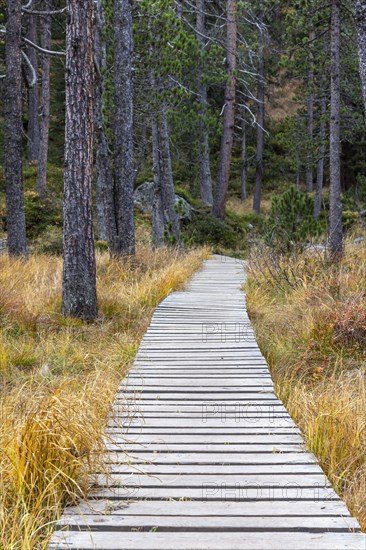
309 317
59 377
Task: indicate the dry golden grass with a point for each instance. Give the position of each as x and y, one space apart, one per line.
236 205
59 377
310 320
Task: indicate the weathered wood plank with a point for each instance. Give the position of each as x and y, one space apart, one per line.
211 541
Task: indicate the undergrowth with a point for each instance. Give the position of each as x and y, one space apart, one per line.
59 377
310 320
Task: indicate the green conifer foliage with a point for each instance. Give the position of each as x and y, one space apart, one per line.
291 222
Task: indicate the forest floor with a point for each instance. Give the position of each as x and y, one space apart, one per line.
310 322
59 377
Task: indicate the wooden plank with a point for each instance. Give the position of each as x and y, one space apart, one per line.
216 492
176 439
224 508
200 480
203 524
222 458
210 541
213 469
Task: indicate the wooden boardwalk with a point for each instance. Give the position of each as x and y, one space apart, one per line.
214 460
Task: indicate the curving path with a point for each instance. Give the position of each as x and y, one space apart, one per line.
214 460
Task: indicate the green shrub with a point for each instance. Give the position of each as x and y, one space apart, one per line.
50 242
291 222
205 229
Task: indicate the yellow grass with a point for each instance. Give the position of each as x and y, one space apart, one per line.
58 378
310 319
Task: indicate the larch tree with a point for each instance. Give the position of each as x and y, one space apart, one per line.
310 116
79 298
360 19
261 98
227 138
16 228
335 203
104 177
321 158
33 141
46 25
124 177
203 138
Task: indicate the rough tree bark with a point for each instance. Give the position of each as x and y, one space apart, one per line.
104 177
335 222
79 297
320 163
17 241
310 118
172 222
123 129
157 237
204 147
243 162
45 103
360 18
260 126
227 138
33 95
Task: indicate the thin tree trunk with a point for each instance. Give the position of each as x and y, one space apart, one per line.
223 172
123 128
104 178
45 106
335 225
17 241
243 162
260 127
157 237
33 96
310 119
320 163
204 147
166 179
360 18
79 297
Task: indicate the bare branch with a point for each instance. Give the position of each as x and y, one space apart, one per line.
32 82
43 12
48 52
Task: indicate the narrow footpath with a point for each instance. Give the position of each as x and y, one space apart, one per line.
202 453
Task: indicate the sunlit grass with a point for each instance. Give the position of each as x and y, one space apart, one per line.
310 320
59 377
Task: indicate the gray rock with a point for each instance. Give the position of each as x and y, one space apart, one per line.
144 195
359 240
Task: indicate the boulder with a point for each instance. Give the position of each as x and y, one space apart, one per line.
144 196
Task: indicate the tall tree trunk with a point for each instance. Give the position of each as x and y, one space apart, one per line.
17 241
104 177
45 106
310 118
123 129
204 147
335 224
243 162
320 163
166 179
223 172
79 297
360 17
260 126
33 95
157 237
